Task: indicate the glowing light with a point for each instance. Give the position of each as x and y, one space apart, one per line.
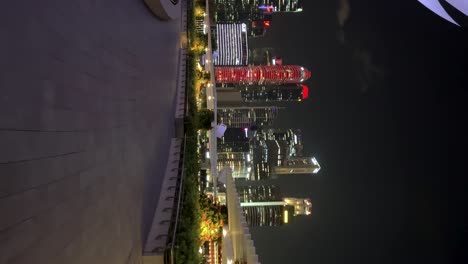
248 158
224 232
295 139
305 92
286 216
246 130
314 160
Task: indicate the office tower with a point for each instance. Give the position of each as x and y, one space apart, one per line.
301 206
229 11
233 48
259 24
264 74
297 165
234 151
270 6
261 95
263 205
272 148
252 192
246 117
274 93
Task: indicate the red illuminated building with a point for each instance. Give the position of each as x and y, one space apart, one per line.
264 74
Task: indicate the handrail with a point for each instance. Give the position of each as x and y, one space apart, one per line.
179 195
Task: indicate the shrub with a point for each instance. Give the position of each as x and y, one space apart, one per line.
205 118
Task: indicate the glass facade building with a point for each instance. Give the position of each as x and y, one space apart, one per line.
280 5
246 117
298 165
274 93
233 48
263 205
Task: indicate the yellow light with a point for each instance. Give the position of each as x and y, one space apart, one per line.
285 217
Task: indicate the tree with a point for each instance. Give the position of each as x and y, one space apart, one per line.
205 118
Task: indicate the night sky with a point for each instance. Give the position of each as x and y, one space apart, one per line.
386 119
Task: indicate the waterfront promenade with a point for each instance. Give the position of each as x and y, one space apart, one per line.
86 117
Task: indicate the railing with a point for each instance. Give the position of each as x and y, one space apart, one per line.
169 252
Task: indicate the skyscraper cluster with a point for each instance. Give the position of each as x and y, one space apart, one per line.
250 98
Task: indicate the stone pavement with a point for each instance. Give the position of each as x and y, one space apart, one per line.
86 116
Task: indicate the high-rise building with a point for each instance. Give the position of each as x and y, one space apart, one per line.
280 5
297 165
274 93
246 117
264 74
260 95
233 48
258 192
263 205
234 151
301 206
272 148
239 162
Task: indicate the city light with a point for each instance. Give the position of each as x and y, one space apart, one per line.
286 216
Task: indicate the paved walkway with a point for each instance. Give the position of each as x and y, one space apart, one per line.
86 113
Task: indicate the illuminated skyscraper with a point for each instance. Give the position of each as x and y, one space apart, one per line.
297 165
272 148
245 117
280 5
234 151
233 48
275 93
301 206
263 205
264 74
